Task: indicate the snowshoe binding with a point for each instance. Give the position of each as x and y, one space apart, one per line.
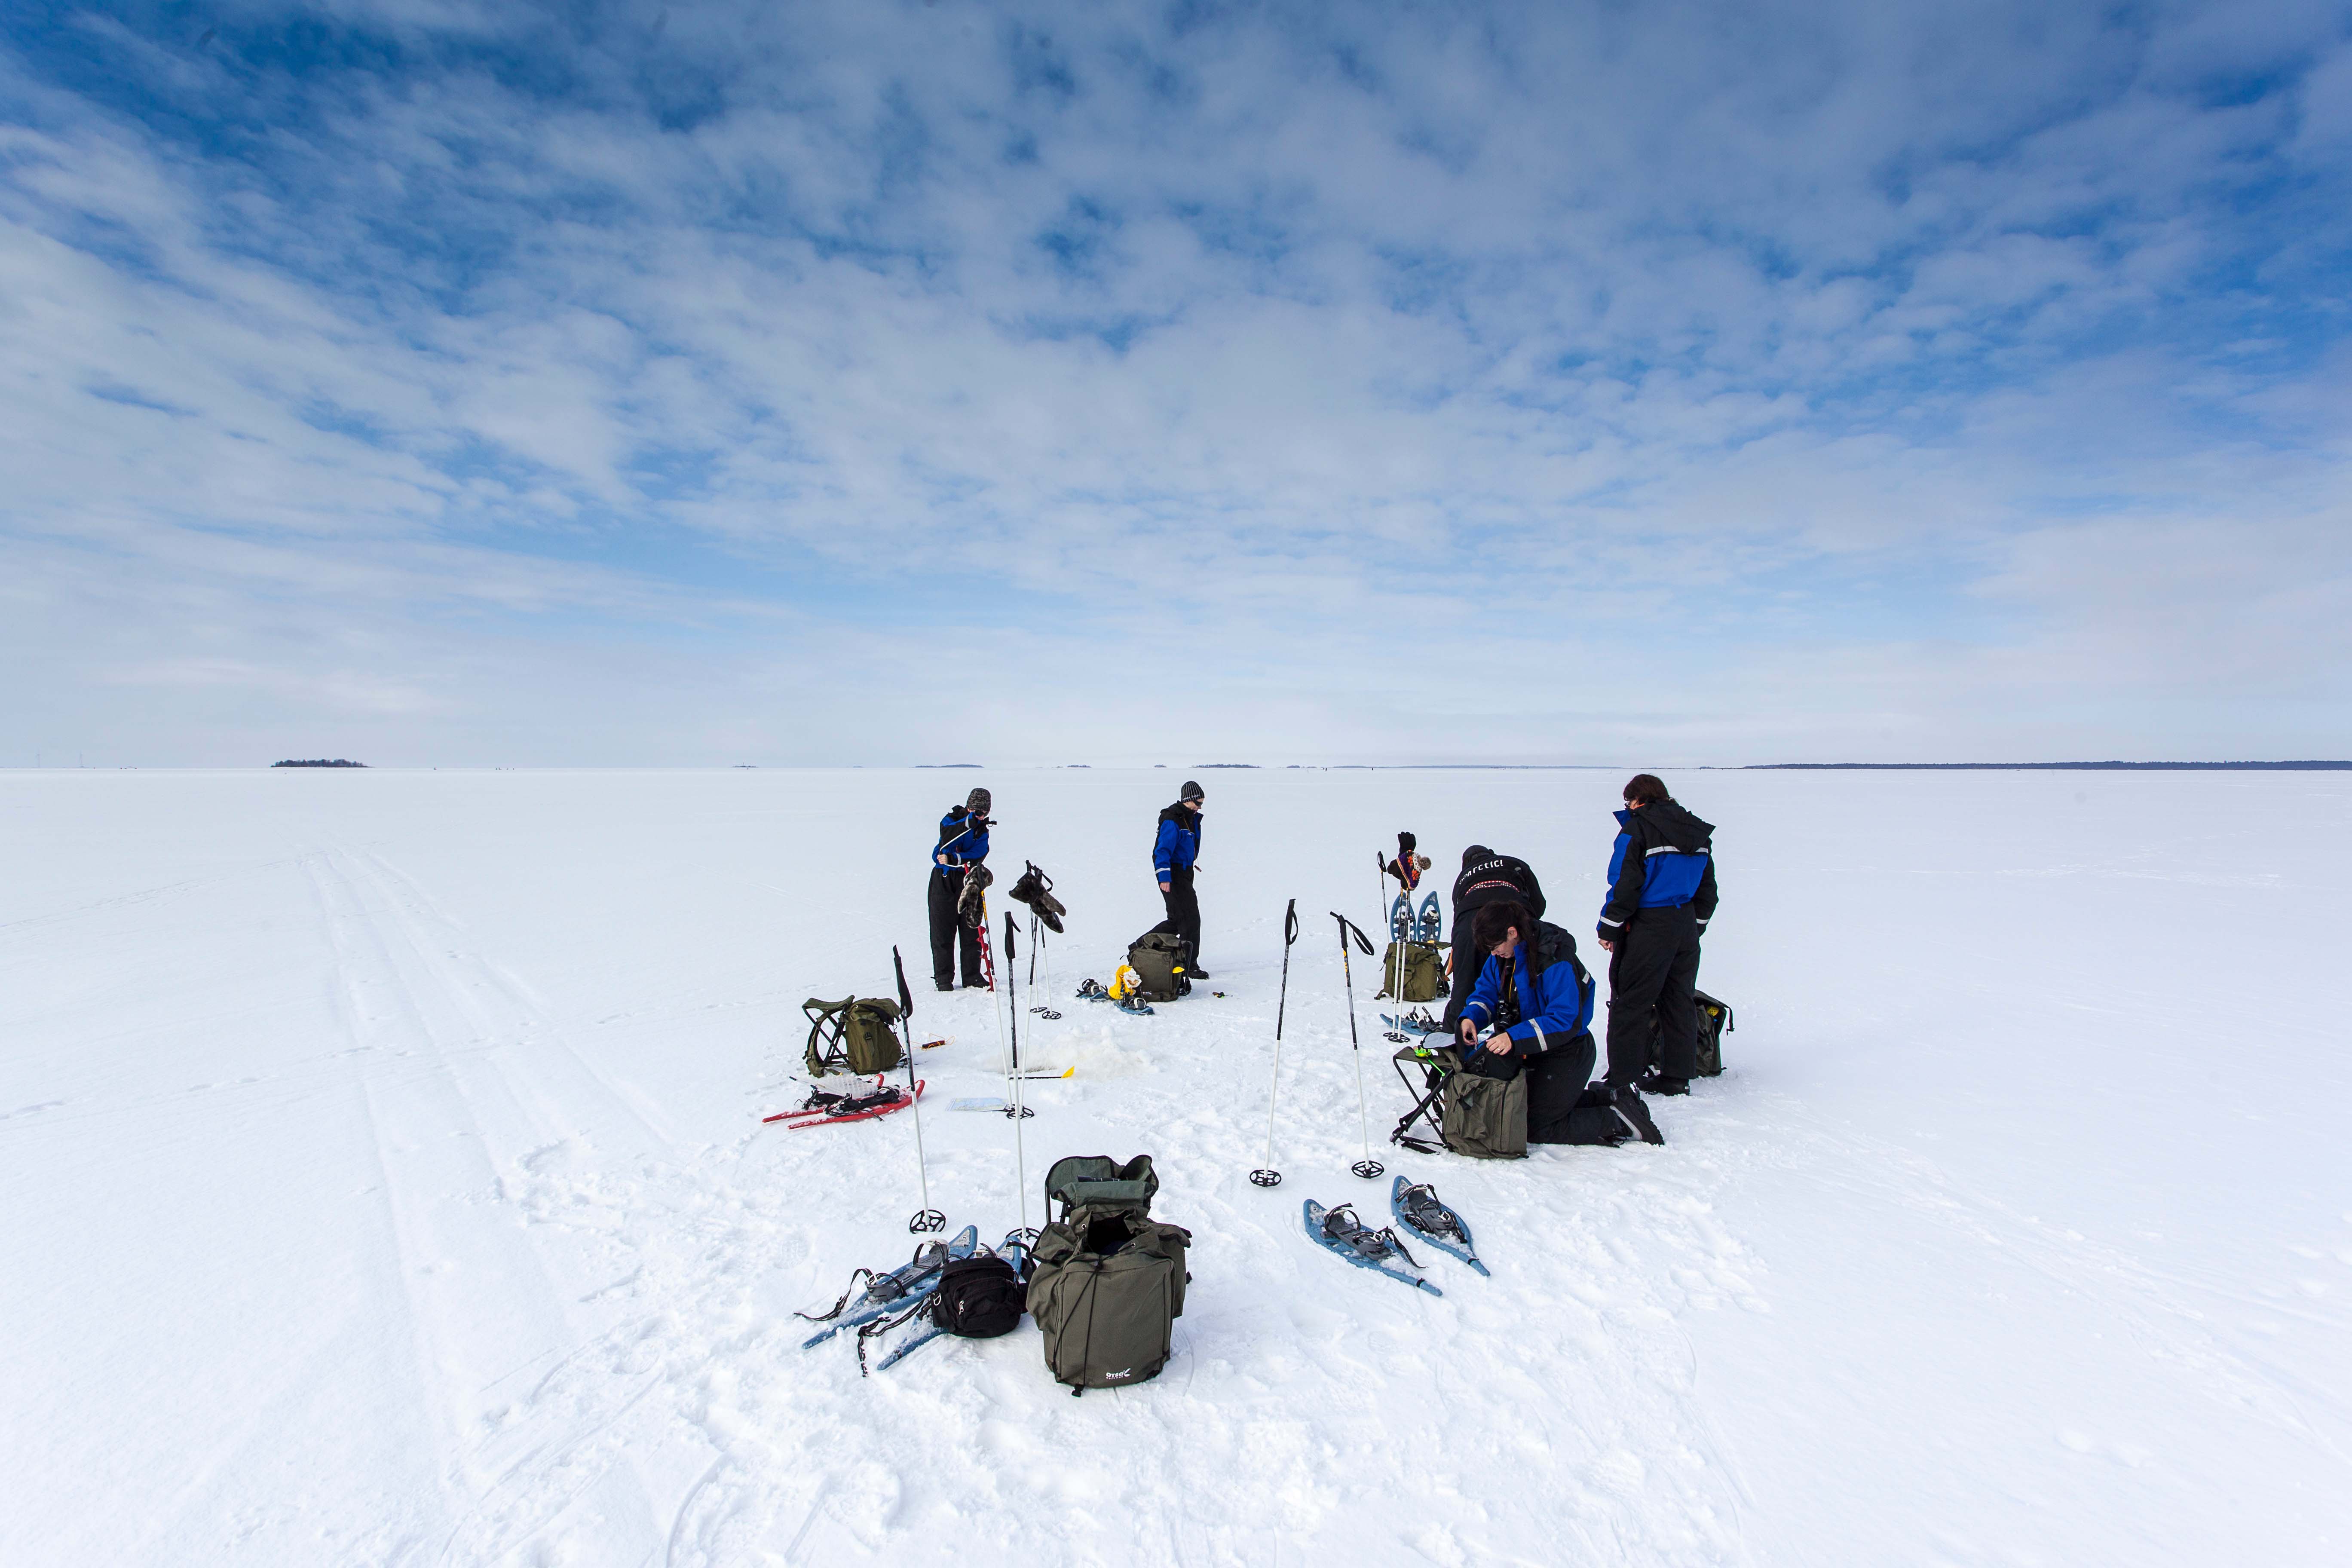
1340 1231
1092 990
1420 1211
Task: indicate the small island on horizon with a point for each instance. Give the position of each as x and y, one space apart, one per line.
319 763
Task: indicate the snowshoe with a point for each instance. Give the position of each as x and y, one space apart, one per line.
1419 1210
1013 1249
1400 919
1036 889
1131 1003
1341 1232
1417 1022
822 1107
1432 924
888 1291
1092 991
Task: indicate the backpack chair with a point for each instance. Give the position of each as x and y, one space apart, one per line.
1160 958
1107 1281
856 1035
1486 1118
1467 1112
1411 971
1714 1023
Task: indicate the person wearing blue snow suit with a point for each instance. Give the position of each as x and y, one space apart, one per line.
1536 997
1174 853
963 843
1661 896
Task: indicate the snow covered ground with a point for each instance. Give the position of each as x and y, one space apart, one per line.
384 1183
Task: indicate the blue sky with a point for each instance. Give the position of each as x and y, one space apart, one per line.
442 382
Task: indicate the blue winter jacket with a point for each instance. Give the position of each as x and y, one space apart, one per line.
1179 844
1555 1001
1665 857
959 841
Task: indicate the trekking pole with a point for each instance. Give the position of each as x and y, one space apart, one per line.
1269 1176
1036 952
1020 1157
926 1218
1367 1167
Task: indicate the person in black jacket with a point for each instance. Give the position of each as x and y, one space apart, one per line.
963 843
1486 878
1661 896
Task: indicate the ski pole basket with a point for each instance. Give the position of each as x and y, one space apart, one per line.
855 1035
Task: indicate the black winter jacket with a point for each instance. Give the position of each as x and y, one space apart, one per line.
1664 857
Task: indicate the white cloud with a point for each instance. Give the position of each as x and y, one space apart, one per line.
1833 346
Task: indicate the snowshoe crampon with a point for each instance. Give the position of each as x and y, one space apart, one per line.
1420 1210
1340 1231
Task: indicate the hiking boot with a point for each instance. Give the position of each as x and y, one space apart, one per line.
1197 973
943 985
1658 1083
1628 1104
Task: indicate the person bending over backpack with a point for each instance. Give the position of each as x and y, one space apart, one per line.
963 843
1173 855
1661 896
1486 878
1537 999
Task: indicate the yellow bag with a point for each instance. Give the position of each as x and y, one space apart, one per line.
1123 983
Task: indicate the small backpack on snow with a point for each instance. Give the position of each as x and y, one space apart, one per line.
1714 1023
1160 958
978 1298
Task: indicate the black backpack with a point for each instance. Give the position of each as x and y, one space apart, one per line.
978 1298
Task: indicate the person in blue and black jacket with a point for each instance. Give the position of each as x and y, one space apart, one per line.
1174 852
963 845
1661 896
1535 996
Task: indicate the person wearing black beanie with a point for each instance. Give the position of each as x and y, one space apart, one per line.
1486 878
1175 854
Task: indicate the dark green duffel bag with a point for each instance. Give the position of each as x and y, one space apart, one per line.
1107 1282
856 1034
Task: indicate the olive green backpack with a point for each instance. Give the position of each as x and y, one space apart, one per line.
1160 958
1107 1281
856 1034
1413 972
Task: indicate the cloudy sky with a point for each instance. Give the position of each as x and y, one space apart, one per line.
429 381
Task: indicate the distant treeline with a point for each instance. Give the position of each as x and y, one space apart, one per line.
319 763
2068 767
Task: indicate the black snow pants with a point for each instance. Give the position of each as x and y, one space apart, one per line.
1184 911
950 934
1653 972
